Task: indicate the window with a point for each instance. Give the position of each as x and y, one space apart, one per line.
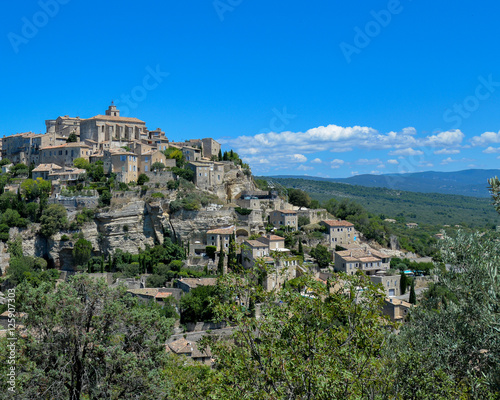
146 159
123 158
130 168
134 168
146 168
60 152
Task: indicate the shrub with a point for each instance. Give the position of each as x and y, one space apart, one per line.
243 211
53 219
142 179
158 195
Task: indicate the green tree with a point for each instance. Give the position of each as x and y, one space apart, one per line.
157 166
82 251
413 296
321 255
142 179
88 341
451 349
53 219
322 346
72 138
197 305
301 249
220 264
81 163
403 283
299 198
220 155
35 188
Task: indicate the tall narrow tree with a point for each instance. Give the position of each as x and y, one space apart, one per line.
413 296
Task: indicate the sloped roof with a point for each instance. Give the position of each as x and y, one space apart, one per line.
331 222
221 231
115 119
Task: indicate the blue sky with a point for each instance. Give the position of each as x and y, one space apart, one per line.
294 87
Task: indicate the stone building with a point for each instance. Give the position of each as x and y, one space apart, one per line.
44 170
216 237
64 126
340 232
210 147
191 153
284 219
109 127
123 163
148 158
64 155
207 174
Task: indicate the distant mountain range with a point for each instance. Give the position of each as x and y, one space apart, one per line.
470 182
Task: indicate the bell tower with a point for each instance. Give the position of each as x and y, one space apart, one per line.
112 111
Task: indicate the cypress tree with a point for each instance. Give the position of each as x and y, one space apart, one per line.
301 250
220 155
403 283
220 265
413 296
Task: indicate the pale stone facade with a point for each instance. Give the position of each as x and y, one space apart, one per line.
109 127
221 236
123 163
207 173
64 155
284 219
340 232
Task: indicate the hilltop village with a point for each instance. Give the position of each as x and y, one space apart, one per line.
125 190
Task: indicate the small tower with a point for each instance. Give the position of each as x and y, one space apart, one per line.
112 111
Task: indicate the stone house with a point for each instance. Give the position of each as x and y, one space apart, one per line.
365 259
190 349
207 174
372 263
65 154
253 250
390 283
284 219
123 163
216 237
210 147
67 176
340 232
64 126
191 153
396 309
148 158
44 170
25 147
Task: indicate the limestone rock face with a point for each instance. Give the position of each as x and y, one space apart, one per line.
127 228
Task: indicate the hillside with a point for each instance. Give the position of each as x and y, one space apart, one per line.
471 182
430 208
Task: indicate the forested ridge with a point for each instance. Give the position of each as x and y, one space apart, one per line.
429 208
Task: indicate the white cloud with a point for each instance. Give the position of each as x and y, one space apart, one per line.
448 138
316 161
381 166
450 160
406 152
447 151
394 162
491 150
299 158
485 139
336 163
304 168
